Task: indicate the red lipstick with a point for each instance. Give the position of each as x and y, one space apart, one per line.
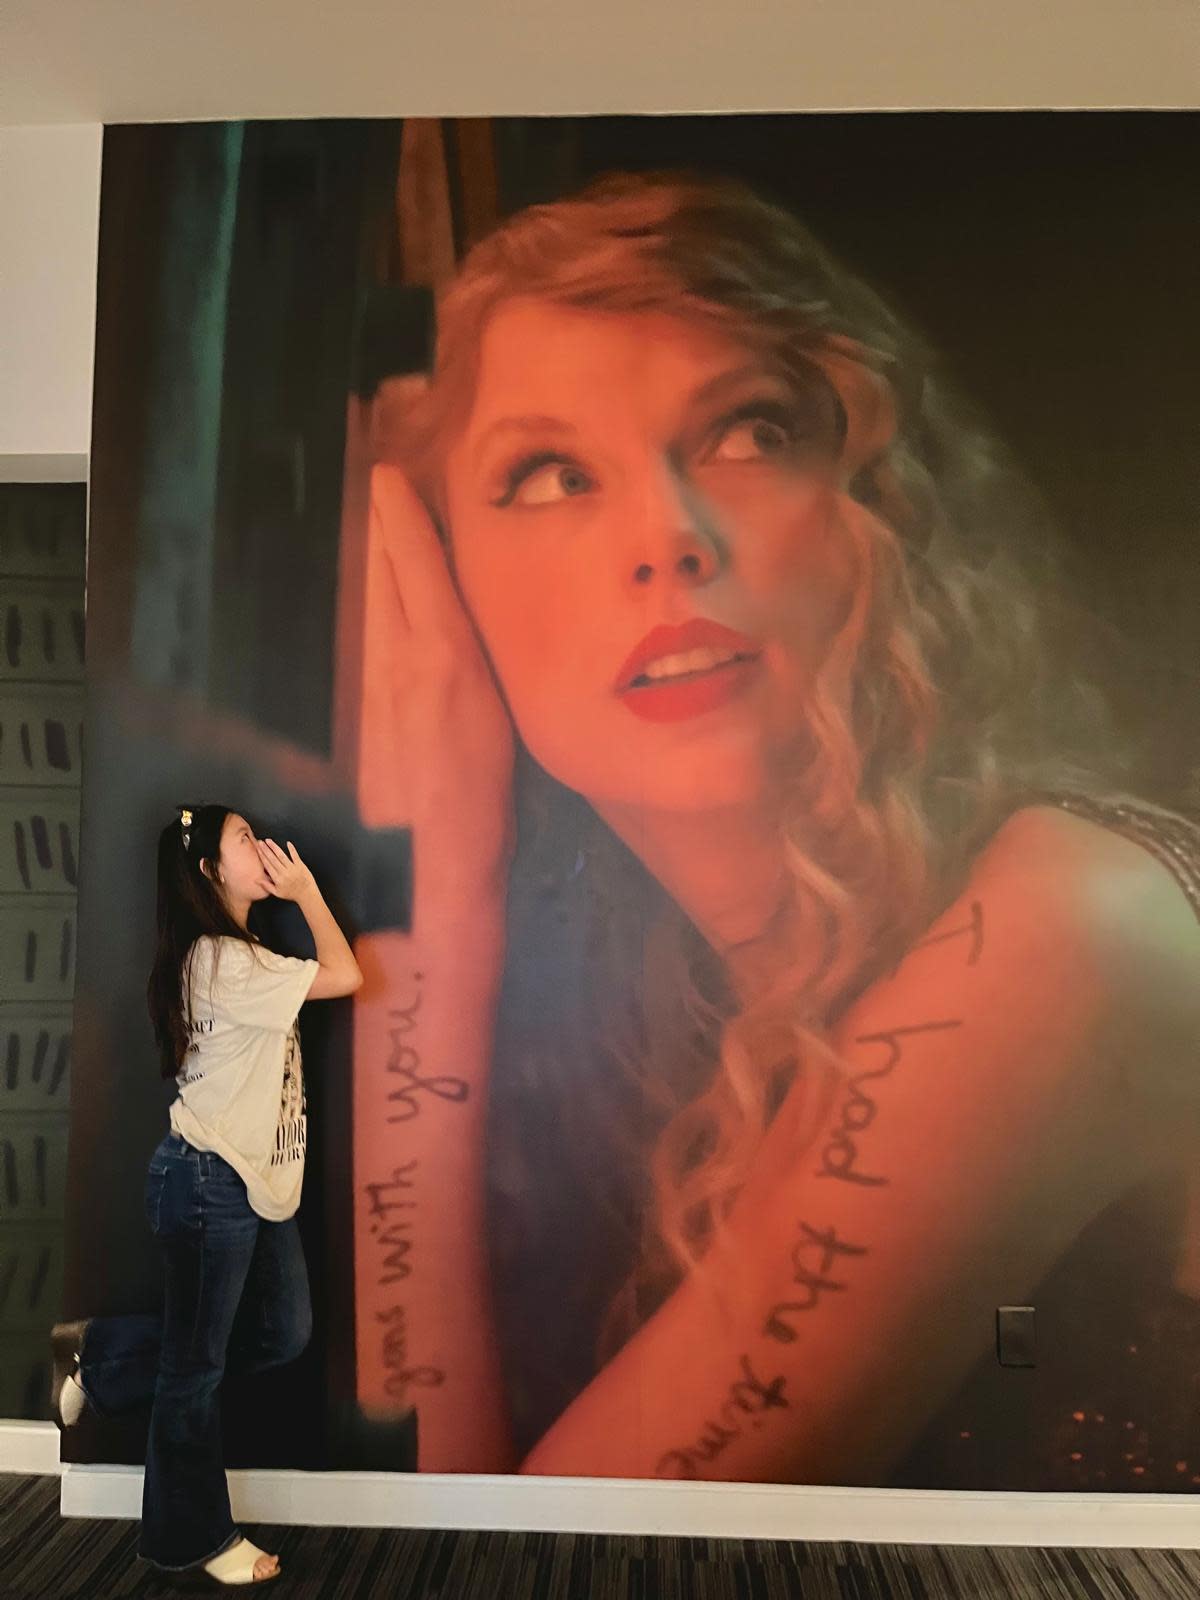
690 691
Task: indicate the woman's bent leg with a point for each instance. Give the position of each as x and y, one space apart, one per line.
118 1357
208 1232
118 1364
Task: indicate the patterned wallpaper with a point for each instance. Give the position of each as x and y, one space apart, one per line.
41 714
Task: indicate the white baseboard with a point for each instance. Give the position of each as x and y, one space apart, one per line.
617 1505
43 469
29 1447
715 1510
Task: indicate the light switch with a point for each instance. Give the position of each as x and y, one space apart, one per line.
1016 1336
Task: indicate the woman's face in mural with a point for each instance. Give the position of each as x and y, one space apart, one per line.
645 527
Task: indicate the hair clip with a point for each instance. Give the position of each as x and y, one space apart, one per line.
185 822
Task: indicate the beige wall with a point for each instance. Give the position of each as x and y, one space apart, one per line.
128 60
49 210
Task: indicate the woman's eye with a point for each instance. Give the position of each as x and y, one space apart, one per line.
542 483
553 483
752 439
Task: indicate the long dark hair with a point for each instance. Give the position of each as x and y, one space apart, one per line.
189 904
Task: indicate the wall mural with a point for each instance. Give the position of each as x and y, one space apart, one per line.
714 599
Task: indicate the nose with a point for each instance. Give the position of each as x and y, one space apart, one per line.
677 540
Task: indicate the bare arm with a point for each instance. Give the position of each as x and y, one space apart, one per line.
338 973
435 753
979 1124
423 1040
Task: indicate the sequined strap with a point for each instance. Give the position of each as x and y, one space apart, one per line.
1170 838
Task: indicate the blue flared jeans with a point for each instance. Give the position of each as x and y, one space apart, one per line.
237 1300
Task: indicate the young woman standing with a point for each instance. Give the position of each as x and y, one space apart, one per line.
223 1186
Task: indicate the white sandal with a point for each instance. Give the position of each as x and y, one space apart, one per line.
68 1402
71 1403
236 1566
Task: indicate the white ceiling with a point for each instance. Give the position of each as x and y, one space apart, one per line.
174 60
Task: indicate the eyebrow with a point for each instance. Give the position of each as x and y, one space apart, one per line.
708 391
523 426
733 378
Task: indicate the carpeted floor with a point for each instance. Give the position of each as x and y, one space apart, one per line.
44 1557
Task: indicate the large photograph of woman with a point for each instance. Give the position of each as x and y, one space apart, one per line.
788 1071
827 939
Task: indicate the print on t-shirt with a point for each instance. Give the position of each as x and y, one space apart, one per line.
292 1132
194 1027
241 1083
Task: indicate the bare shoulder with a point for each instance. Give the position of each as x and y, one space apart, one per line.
1088 879
1068 943
1106 913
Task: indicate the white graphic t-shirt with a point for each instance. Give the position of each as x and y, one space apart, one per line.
241 1087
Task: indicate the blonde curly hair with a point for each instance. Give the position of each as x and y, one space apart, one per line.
936 709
